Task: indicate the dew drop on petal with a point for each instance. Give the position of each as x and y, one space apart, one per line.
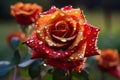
58 53
44 64
40 42
47 51
76 12
66 53
63 40
43 48
31 40
76 58
80 33
81 56
93 39
27 42
38 31
71 58
90 44
97 29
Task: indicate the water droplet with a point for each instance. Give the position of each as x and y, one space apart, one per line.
90 44
40 42
63 40
59 54
52 17
31 40
93 39
66 53
27 42
76 12
44 64
44 48
95 33
81 56
38 31
97 29
47 51
71 58
80 33
76 58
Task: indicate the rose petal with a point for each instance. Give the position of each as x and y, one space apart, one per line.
62 39
77 15
79 37
79 54
91 48
38 46
64 65
67 8
52 18
38 55
50 11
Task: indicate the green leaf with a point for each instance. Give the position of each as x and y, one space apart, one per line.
5 67
34 69
83 75
16 58
62 75
26 61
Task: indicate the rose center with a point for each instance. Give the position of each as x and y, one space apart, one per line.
61 25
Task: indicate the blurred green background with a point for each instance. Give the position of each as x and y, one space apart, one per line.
104 14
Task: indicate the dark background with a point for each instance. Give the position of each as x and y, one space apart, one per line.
113 5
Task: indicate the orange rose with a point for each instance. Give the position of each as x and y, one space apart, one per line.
25 14
108 59
63 38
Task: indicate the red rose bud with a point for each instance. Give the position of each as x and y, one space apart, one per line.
14 39
63 38
25 14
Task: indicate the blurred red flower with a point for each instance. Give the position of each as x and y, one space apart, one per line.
25 14
63 38
15 38
109 61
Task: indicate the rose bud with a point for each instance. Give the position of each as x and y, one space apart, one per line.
14 39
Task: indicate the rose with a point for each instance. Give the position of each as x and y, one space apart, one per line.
25 14
63 38
109 62
108 59
14 39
